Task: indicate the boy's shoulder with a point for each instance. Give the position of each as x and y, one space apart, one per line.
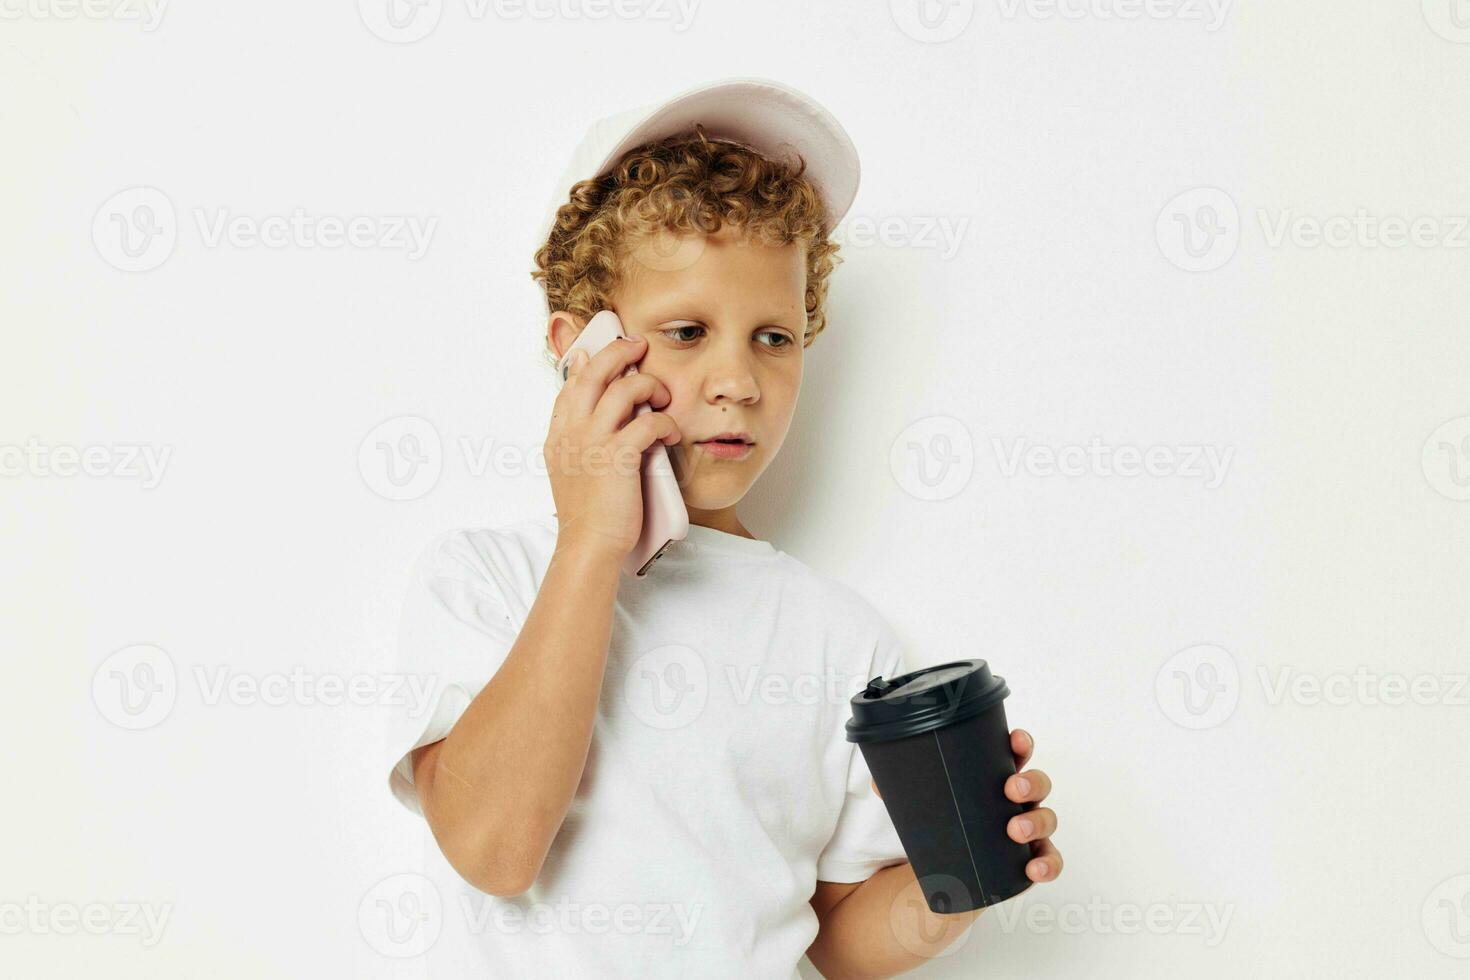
840 601
521 546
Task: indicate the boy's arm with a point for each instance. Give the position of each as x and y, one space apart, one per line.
880 927
496 789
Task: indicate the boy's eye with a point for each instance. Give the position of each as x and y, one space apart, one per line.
677 334
670 333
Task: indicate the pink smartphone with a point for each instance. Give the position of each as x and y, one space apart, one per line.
665 518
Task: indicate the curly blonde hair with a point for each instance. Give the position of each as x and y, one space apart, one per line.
689 183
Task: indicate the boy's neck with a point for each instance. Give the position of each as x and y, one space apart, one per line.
720 520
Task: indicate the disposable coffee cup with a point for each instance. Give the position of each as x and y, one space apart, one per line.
937 744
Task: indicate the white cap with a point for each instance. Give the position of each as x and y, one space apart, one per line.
766 116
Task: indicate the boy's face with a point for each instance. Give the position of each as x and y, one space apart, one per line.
724 317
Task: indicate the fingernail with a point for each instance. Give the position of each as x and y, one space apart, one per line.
1039 869
1023 785
1025 827
580 357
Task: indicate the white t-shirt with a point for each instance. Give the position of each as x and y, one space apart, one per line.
718 788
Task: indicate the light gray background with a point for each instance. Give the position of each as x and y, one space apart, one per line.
1328 838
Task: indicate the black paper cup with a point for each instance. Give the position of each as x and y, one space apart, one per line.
937 744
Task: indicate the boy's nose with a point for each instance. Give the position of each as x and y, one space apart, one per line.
732 385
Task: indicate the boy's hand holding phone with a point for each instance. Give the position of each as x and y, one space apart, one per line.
594 452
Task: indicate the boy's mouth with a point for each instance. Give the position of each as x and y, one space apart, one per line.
727 445
731 437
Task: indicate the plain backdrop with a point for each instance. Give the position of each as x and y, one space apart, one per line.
1205 657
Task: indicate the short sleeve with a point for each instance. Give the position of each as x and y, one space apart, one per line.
465 605
864 840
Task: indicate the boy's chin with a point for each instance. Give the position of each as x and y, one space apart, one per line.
713 485
714 492
710 498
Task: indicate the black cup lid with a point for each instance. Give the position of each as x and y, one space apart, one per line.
923 700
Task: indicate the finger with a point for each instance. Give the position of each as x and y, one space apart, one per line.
1046 861
561 405
618 402
579 360
1031 786
646 429
586 385
1032 825
874 782
1022 745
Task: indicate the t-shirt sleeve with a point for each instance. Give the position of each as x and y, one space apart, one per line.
467 600
864 840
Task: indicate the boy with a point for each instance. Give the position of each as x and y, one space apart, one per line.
649 777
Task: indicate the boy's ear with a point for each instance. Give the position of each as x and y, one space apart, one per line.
562 330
